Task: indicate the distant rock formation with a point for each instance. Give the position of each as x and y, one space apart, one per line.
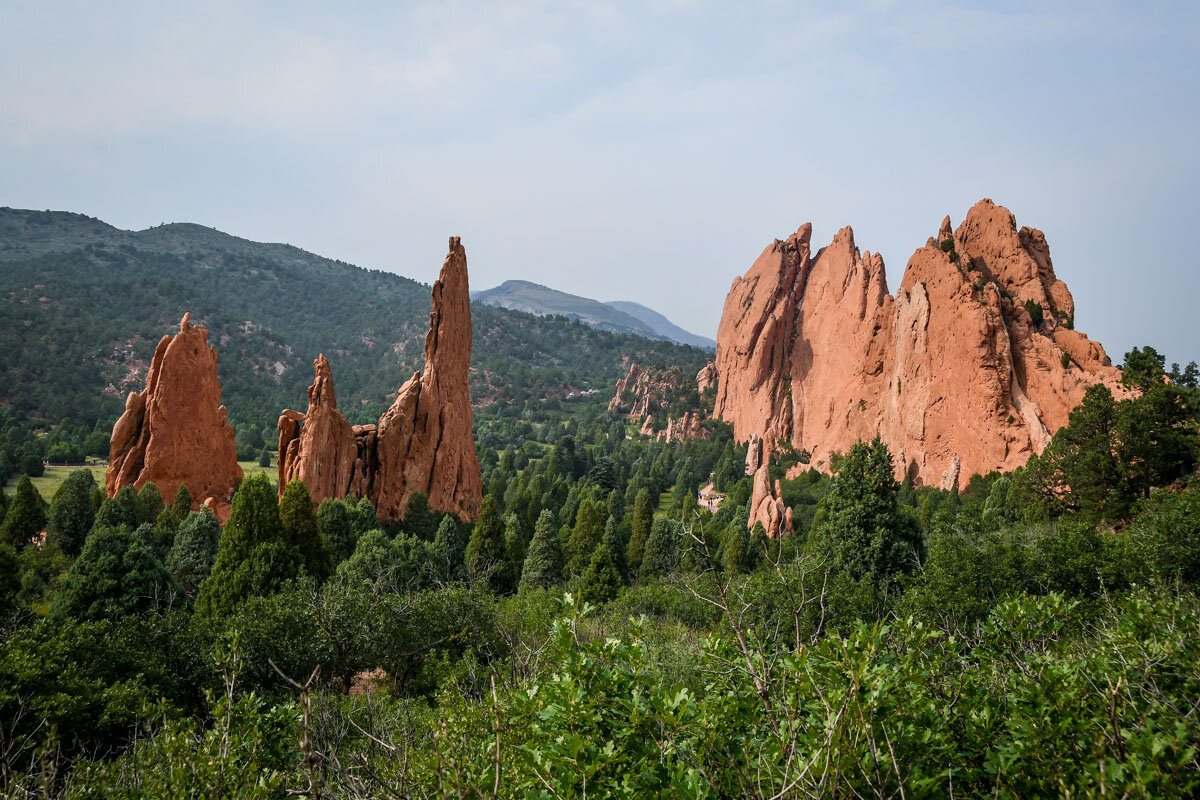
176 431
766 501
643 392
969 368
423 443
706 377
683 429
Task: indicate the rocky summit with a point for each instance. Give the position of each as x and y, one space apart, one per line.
423 443
176 431
970 367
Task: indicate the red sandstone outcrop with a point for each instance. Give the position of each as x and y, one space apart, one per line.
642 392
176 431
683 429
953 371
706 377
423 443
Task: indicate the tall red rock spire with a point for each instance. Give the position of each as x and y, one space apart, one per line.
176 431
423 443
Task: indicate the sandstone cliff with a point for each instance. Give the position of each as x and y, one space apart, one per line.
176 430
644 392
956 371
423 443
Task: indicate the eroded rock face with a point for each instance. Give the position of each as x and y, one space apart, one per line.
951 371
643 392
706 378
423 443
176 431
766 502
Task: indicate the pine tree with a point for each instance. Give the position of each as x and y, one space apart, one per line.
662 549
71 512
514 542
264 458
544 562
181 506
124 510
600 582
300 530
25 516
419 518
615 542
643 519
487 554
334 524
589 530
150 500
865 531
362 516
253 558
735 556
194 551
115 576
616 506
10 583
448 552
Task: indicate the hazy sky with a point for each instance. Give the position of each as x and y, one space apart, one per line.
644 151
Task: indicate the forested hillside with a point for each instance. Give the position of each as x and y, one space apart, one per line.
83 305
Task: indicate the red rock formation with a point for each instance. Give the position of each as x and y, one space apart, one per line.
683 429
643 391
952 372
706 377
423 443
176 431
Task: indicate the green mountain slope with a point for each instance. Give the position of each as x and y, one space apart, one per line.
661 325
83 304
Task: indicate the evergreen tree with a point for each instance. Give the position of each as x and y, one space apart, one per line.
757 551
377 562
300 530
362 516
253 558
98 498
643 519
1143 369
194 550
600 582
615 542
181 506
865 532
514 541
735 556
589 530
25 516
419 518
150 500
448 552
662 549
544 563
71 512
264 458
124 510
487 553
616 506
334 525
10 583
115 576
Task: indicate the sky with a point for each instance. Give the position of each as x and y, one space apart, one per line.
645 151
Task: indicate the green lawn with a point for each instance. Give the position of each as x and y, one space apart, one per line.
48 484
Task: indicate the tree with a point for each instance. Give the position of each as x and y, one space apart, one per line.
600 582
617 548
589 530
194 550
115 576
151 501
378 561
25 516
300 530
544 562
448 551
419 518
735 550
334 524
487 554
264 458
643 519
71 512
1143 369
33 466
362 515
10 582
253 558
661 556
181 506
123 510
865 532
514 542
